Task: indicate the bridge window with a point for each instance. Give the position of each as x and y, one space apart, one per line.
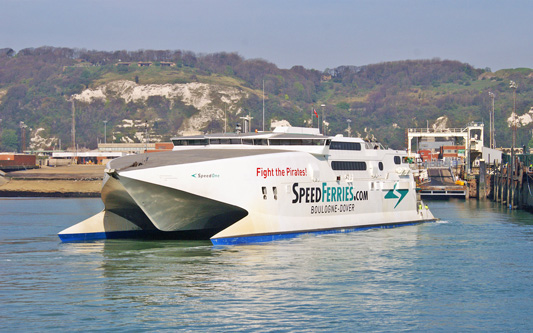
260 142
397 160
335 145
190 142
225 141
296 142
313 142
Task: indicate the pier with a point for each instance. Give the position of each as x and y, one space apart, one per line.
513 186
510 184
448 154
443 183
459 165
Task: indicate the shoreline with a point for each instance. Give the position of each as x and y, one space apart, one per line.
30 194
77 181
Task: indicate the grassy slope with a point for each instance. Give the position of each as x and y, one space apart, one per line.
163 75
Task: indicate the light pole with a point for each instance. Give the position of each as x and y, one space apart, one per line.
146 135
514 86
73 130
105 131
510 198
491 121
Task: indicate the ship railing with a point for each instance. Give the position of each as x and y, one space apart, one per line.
442 164
432 130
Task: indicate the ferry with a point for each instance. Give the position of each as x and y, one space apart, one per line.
235 188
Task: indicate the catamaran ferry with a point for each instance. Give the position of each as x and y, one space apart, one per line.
255 187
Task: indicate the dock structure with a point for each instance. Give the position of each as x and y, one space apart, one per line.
443 183
443 151
471 137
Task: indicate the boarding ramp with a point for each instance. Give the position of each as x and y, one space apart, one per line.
443 183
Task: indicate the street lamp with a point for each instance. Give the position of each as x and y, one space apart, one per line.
105 131
513 86
146 135
491 121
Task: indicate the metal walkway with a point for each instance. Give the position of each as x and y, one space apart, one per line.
442 184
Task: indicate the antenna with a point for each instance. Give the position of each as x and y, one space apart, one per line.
263 105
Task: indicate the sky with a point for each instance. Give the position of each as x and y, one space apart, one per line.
314 34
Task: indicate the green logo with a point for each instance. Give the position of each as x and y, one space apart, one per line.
400 194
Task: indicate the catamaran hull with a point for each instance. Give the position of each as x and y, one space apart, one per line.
242 199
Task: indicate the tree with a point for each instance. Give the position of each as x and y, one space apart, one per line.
9 140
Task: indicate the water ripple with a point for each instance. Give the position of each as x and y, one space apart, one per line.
468 272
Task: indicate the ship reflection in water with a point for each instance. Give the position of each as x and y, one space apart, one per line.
252 281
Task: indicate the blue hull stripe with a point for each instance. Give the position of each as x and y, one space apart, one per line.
273 237
82 237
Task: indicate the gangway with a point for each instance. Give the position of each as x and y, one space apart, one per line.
443 183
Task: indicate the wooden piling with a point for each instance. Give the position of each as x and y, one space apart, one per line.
512 187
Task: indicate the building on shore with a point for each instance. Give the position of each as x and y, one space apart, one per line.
14 161
61 158
135 148
106 152
127 148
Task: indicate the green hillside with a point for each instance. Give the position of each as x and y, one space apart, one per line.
37 85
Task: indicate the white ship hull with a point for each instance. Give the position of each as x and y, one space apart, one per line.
252 195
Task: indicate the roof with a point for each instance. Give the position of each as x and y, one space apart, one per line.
160 159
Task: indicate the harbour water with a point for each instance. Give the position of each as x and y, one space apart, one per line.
471 271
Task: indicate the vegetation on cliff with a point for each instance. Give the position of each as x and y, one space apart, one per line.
39 86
